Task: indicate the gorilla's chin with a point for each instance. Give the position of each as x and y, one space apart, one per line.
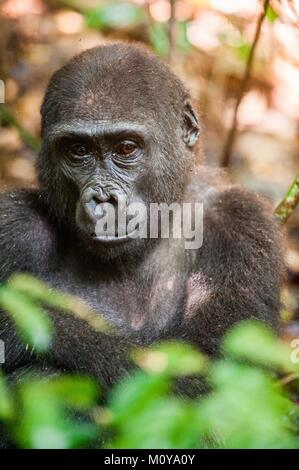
109 248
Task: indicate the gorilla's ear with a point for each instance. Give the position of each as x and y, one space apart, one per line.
191 129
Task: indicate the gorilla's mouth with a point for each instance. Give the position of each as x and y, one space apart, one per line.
114 240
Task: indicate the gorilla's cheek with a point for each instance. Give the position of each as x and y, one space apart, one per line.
83 221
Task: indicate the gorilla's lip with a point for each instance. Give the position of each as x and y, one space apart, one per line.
113 240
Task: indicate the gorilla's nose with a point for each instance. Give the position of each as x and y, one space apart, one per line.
95 204
97 197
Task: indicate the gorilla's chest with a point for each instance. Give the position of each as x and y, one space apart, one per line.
151 297
146 303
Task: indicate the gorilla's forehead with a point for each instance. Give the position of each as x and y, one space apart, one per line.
102 104
118 100
115 83
97 127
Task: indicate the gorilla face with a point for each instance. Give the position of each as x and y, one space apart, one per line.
118 129
105 161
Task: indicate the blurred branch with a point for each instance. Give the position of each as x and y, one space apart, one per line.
225 159
68 4
294 11
289 202
171 31
284 15
7 117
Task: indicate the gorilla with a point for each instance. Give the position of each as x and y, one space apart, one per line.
118 129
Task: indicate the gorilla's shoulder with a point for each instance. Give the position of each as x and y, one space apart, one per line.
233 210
213 187
20 209
205 183
249 232
19 199
235 203
25 232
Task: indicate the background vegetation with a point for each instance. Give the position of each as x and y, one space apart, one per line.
240 60
251 402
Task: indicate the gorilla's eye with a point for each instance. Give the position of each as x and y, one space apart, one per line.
126 147
79 149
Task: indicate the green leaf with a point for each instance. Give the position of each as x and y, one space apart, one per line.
255 342
115 15
8 118
39 292
171 358
182 40
32 323
78 392
247 409
46 419
134 394
6 401
159 39
243 51
271 14
162 424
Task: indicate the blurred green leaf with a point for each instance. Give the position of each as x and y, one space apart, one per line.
40 292
171 358
271 14
243 51
255 342
32 323
133 395
8 118
159 39
43 421
247 409
183 42
115 15
6 401
162 424
77 392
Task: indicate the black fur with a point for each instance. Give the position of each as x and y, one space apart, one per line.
149 289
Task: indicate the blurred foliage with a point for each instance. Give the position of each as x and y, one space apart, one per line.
271 14
41 420
125 16
251 402
8 119
254 386
289 202
159 38
25 291
31 322
115 15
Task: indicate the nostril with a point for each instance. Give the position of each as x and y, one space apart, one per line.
95 196
100 198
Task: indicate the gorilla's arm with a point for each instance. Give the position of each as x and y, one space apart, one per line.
27 244
25 236
237 275
239 268
23 248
